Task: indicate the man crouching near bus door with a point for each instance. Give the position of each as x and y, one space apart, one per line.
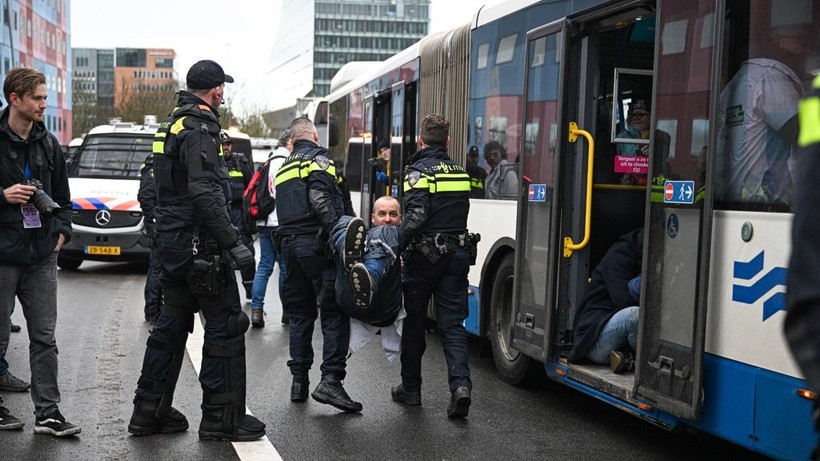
200 249
606 323
436 203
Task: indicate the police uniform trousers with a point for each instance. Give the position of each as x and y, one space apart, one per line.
311 277
222 374
447 281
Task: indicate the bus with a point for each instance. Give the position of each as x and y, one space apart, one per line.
551 82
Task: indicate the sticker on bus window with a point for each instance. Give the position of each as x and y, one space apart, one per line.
631 164
537 193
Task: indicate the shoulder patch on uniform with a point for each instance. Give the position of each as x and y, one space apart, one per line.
322 161
413 178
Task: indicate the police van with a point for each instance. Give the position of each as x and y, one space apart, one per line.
104 177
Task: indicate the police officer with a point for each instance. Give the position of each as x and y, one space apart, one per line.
239 175
308 205
196 237
477 174
802 325
147 197
436 203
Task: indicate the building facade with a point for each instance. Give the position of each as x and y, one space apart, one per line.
316 38
35 33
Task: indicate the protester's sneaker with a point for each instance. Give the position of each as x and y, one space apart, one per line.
56 425
11 383
8 421
621 362
362 285
353 244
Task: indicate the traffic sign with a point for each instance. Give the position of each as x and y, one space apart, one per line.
537 193
682 192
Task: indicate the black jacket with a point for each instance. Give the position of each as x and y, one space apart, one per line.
147 195
46 162
187 159
607 292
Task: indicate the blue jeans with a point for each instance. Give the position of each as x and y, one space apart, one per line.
267 258
620 332
36 288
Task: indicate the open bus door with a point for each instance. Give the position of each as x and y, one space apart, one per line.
397 124
562 232
367 154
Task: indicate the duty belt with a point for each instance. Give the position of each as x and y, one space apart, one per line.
448 242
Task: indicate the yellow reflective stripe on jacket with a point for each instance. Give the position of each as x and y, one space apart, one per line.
809 116
177 126
313 166
287 172
451 182
235 173
422 183
158 146
476 183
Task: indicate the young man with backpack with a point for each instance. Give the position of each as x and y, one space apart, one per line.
260 198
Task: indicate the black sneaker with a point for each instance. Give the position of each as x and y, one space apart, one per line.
11 383
56 425
16 328
621 362
7 421
353 243
258 318
362 285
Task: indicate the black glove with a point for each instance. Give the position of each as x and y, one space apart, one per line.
240 257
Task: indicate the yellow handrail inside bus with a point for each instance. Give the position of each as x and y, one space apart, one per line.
569 245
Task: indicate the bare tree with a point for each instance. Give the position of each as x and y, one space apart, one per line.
138 99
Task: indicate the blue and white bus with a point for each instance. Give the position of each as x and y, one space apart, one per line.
551 81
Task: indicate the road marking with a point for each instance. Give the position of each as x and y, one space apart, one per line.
247 451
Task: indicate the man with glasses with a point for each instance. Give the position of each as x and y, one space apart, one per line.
502 180
637 127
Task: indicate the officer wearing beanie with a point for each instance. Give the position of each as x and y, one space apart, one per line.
200 250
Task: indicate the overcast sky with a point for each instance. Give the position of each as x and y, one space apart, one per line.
227 32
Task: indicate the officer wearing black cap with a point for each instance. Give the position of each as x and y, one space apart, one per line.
436 200
240 171
200 249
309 202
477 174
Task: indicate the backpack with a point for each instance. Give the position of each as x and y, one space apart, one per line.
257 201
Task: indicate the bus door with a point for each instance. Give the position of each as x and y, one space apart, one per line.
380 130
367 154
538 216
394 166
676 251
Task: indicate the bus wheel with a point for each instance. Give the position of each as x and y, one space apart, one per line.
511 364
68 263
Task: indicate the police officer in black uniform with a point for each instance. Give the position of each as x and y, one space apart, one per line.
308 205
240 171
147 197
197 241
802 325
436 203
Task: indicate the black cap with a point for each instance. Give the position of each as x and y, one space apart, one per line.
384 144
205 75
473 152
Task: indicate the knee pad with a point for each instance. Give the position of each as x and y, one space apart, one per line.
238 324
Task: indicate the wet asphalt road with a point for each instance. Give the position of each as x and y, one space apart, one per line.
101 337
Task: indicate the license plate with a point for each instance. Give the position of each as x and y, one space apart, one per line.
102 250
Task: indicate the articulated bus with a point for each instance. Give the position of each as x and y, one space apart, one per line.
551 82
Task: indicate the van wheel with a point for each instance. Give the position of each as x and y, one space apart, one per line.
512 365
68 263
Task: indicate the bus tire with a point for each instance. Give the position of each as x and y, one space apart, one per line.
512 365
68 264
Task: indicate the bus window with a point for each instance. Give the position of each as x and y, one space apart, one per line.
766 73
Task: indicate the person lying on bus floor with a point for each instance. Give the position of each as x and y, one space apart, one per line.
606 321
368 285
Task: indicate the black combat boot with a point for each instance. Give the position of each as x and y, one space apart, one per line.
145 422
331 392
299 388
212 428
459 403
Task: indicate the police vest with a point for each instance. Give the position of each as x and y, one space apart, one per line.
809 115
292 205
449 187
236 177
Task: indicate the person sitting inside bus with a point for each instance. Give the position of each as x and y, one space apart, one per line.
368 282
606 322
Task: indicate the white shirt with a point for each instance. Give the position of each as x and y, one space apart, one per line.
279 156
754 105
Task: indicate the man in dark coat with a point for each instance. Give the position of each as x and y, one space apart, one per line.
606 322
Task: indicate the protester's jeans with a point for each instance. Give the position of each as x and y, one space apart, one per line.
267 258
619 334
36 288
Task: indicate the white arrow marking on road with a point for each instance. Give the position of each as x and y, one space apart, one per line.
247 451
